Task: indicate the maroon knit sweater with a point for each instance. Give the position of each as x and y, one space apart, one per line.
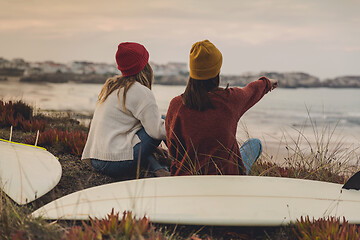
204 142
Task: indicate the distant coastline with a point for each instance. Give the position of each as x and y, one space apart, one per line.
165 74
286 80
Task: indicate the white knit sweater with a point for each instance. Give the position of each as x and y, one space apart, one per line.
112 134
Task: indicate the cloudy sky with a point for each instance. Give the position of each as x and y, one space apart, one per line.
319 37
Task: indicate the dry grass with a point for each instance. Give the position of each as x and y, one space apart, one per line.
322 156
16 223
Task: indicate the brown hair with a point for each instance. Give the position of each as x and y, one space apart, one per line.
196 95
144 77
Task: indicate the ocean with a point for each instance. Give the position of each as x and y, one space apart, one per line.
281 112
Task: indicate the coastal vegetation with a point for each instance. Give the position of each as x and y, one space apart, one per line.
325 160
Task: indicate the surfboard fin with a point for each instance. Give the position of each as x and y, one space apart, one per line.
353 182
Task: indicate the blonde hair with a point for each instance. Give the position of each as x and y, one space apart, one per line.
144 77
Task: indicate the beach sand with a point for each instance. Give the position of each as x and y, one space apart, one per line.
279 143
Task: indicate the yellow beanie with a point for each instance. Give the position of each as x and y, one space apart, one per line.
205 60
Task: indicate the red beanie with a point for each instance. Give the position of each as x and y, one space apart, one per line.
131 58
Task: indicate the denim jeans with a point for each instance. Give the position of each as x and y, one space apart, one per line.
250 151
143 154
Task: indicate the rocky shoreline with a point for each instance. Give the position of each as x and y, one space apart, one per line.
286 79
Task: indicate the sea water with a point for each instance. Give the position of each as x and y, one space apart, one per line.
290 111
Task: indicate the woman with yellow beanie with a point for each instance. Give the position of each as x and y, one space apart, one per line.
201 123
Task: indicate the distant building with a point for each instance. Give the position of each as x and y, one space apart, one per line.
48 67
12 70
17 63
104 68
169 69
33 71
82 67
4 63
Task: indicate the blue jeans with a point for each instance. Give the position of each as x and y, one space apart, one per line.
143 155
250 151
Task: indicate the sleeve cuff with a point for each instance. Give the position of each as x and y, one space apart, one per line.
267 82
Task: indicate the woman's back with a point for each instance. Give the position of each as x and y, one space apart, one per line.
208 136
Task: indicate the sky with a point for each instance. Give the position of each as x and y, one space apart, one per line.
320 37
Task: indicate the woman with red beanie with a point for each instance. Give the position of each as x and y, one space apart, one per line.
126 127
201 123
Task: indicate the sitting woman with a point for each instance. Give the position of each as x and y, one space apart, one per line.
201 123
126 127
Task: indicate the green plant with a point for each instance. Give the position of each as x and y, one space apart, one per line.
326 228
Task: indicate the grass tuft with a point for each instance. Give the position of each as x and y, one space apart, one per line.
326 228
319 157
16 223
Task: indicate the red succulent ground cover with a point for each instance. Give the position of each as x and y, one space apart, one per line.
72 141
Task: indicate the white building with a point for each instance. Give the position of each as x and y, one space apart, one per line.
82 67
104 68
49 67
17 63
169 69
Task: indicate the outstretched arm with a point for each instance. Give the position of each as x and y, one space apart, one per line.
249 95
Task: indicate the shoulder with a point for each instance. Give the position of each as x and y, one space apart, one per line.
138 88
176 101
173 110
138 92
228 92
234 89
228 95
175 104
139 96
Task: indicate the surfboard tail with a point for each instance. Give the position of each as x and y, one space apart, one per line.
353 182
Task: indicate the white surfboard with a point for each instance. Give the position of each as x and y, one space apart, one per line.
211 200
27 172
